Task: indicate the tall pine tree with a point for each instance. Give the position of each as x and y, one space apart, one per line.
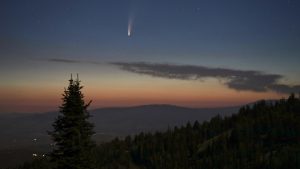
72 131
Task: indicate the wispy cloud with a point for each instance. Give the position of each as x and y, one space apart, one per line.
63 60
71 61
239 80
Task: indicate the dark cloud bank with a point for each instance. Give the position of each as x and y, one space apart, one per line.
234 79
239 80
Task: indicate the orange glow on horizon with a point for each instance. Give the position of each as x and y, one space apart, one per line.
181 93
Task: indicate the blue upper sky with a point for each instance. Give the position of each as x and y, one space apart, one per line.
233 33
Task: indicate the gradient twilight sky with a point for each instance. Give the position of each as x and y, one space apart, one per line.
196 53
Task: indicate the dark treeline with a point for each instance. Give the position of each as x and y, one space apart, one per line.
263 135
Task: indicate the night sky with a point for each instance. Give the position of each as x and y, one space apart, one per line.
195 53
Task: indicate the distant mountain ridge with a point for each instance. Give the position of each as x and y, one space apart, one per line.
130 120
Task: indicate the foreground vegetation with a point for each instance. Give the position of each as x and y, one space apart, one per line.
263 135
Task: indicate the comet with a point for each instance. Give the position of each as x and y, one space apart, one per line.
130 26
129 33
131 18
129 30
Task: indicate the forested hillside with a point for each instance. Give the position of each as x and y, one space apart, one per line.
263 135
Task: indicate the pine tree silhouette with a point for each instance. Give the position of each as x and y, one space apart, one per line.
72 131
